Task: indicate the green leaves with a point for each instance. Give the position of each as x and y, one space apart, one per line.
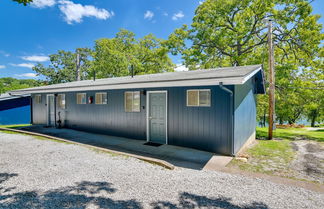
63 66
114 57
231 32
111 57
25 2
8 84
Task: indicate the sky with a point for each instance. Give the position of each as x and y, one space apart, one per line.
29 34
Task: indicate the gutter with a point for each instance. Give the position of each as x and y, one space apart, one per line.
231 113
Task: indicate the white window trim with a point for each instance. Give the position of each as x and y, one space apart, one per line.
125 109
199 105
102 102
85 94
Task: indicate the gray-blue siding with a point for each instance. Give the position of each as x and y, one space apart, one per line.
205 128
244 113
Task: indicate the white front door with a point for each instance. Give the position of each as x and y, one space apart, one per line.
157 116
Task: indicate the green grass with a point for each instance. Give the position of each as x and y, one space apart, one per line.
292 133
268 156
34 136
273 157
14 126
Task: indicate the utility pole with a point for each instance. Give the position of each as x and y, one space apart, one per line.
271 81
78 77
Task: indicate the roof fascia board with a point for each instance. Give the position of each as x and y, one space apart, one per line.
246 78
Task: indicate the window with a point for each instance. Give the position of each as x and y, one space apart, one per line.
61 101
132 101
101 98
38 99
81 98
199 97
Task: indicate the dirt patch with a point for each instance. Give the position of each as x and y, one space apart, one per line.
294 146
312 147
309 162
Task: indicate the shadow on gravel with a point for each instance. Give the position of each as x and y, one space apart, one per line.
85 194
188 201
5 176
96 195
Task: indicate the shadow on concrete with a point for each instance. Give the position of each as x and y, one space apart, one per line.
96 194
178 156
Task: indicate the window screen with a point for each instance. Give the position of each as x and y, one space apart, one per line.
199 97
132 101
61 100
101 98
204 97
81 98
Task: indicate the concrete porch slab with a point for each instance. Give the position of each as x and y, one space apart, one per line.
178 156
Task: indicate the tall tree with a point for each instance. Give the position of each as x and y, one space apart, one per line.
231 32
114 56
62 67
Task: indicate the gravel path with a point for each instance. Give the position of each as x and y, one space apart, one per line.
309 163
38 173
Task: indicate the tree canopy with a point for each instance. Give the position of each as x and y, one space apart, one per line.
8 84
62 67
232 32
111 57
25 2
114 56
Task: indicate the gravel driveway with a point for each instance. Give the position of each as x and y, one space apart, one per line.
38 173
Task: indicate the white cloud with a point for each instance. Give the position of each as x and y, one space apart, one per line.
181 67
148 15
28 75
43 3
2 66
4 53
178 15
165 14
36 58
27 65
75 12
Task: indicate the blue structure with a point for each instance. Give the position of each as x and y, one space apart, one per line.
212 110
14 109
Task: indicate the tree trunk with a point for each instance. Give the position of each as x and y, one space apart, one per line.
264 117
313 118
280 121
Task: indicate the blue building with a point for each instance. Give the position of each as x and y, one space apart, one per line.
212 110
14 109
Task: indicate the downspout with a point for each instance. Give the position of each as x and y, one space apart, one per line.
231 113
